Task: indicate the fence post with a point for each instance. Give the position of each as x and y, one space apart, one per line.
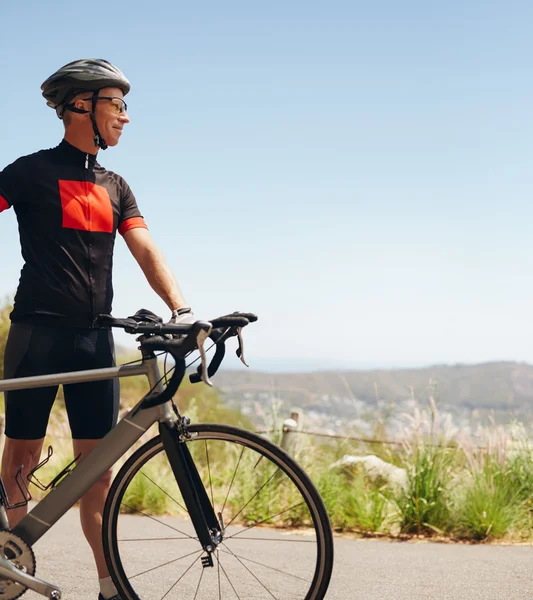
289 433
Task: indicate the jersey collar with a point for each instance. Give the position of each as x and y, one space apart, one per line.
75 156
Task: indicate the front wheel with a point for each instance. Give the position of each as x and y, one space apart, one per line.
277 540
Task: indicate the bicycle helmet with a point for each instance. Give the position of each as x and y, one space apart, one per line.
87 74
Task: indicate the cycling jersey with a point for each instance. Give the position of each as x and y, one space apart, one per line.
69 209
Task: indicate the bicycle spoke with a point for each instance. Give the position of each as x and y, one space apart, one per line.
156 539
179 579
209 473
254 496
253 575
218 575
158 521
165 492
258 461
263 521
264 565
269 539
229 580
165 564
199 582
232 480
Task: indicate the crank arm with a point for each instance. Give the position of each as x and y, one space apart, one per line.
10 572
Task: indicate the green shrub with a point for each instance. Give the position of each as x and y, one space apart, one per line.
424 507
364 505
493 501
354 502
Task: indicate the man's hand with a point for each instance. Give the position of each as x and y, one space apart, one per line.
182 316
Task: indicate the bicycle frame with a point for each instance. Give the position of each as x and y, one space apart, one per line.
116 443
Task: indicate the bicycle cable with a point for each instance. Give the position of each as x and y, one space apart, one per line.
133 362
169 371
166 372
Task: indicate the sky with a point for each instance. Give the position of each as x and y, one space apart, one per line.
359 174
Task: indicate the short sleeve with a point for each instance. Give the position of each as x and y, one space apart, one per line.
10 187
130 216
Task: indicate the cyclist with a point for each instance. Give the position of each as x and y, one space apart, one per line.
69 209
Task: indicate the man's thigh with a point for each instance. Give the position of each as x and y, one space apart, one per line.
30 351
92 407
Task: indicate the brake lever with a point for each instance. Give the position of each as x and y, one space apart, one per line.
240 349
201 337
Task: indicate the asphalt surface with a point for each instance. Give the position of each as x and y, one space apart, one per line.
364 569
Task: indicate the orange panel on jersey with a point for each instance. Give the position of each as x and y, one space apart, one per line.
86 206
3 204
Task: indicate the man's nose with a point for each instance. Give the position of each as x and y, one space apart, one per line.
124 117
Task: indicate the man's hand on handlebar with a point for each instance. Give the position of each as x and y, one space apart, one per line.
184 316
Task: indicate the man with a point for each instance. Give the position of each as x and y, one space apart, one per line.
69 209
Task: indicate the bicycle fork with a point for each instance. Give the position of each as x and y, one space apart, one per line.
208 528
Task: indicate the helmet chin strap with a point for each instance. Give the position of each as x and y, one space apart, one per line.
98 139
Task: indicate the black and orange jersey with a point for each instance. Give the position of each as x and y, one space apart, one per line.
69 209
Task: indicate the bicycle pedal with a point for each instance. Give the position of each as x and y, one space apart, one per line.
207 561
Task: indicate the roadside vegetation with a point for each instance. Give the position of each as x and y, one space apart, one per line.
456 487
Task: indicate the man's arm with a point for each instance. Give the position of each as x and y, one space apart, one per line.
11 184
154 267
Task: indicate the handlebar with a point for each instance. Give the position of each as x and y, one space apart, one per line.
181 339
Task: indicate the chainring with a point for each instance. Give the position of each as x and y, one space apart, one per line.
15 549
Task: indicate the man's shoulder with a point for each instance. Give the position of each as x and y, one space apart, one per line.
118 179
28 161
109 173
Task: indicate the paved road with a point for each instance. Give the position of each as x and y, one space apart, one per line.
364 569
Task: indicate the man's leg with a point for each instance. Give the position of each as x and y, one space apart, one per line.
16 453
92 411
92 508
30 350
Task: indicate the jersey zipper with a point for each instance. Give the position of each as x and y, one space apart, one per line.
89 216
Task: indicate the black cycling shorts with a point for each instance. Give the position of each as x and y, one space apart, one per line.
92 407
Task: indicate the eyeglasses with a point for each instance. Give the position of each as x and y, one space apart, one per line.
118 104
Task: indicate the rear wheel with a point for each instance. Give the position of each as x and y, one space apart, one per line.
277 539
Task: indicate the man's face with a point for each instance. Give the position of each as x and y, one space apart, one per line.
109 119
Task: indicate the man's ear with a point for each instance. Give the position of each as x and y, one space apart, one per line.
80 104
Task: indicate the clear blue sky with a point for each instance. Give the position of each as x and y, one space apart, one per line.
360 174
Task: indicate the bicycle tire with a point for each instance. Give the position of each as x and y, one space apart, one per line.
285 550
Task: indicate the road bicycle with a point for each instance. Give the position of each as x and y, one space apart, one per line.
242 519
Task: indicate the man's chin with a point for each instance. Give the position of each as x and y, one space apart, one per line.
114 137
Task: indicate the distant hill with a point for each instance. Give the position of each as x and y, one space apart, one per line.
501 386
